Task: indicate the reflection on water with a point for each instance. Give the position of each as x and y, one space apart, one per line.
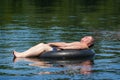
25 23
38 13
81 67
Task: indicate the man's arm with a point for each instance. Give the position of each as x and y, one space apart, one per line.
58 44
74 47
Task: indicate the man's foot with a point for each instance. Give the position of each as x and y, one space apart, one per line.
17 54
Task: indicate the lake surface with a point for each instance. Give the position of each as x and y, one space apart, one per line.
25 23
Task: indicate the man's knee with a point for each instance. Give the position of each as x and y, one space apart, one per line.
41 44
47 47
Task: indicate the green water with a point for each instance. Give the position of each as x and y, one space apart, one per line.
25 23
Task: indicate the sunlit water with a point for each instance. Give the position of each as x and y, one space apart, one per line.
20 31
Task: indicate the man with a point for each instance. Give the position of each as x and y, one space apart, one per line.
34 51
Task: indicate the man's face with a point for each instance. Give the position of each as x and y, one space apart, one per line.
87 39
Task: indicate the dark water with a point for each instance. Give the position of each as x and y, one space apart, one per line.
25 23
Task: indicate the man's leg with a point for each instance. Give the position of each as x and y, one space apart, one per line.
34 51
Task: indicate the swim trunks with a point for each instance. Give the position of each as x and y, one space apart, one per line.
54 49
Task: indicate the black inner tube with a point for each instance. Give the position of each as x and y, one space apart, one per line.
69 54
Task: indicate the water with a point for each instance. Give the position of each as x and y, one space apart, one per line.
26 23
